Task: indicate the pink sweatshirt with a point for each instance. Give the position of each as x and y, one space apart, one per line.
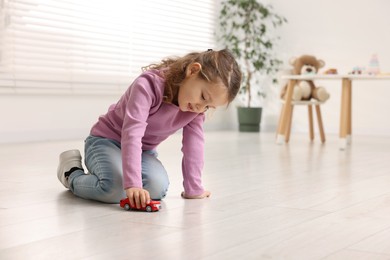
140 120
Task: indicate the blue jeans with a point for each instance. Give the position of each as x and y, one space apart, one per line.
103 183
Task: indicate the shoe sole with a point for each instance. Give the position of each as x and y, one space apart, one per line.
68 160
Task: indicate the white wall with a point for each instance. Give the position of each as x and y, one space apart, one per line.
344 33
49 117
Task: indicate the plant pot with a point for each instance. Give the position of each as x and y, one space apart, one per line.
249 119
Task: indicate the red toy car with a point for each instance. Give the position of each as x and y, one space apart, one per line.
154 205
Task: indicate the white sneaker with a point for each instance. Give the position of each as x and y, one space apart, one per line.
68 160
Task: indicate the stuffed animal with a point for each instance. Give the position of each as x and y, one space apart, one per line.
306 89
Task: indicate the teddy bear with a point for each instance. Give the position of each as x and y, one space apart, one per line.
306 89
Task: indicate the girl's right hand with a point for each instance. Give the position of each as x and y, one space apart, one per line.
138 197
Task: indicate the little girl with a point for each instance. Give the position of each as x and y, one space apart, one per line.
120 152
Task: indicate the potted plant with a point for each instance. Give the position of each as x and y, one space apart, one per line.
246 27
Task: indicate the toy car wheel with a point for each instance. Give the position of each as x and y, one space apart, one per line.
148 208
127 207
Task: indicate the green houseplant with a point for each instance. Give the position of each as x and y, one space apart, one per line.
246 27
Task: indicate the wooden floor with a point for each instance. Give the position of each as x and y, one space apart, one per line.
298 201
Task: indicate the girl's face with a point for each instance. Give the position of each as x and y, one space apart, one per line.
197 95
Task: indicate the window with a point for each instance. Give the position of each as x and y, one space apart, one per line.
83 46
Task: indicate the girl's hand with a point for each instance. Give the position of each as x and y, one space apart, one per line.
205 194
138 197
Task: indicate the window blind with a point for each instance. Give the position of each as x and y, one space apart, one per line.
95 46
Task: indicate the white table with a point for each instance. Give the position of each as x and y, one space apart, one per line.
346 102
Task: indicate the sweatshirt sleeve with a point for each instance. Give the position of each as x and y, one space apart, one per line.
140 100
193 156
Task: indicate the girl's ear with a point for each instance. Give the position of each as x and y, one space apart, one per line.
193 68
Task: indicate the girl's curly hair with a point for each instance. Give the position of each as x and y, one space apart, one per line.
215 65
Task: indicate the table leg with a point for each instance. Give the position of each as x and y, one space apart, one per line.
289 124
311 128
344 114
349 112
320 124
286 111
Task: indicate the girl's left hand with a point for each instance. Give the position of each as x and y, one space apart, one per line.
205 194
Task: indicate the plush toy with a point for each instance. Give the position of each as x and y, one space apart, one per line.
306 89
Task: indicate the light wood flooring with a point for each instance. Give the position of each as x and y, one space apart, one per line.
297 201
